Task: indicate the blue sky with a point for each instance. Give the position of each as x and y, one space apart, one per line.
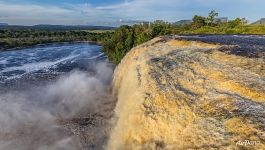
109 12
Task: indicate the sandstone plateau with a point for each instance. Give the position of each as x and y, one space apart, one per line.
191 92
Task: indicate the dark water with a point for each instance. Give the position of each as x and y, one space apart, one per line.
52 97
45 62
252 46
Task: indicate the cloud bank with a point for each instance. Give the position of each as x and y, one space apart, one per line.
86 13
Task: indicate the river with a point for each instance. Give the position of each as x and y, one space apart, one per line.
52 97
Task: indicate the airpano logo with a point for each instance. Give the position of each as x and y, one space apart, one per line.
247 143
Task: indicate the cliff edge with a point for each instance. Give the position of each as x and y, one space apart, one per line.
183 93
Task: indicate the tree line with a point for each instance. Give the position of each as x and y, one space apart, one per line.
117 44
20 38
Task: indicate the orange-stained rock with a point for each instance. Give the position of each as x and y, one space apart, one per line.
185 94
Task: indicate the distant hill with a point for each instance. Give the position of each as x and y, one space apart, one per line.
130 22
56 27
182 22
3 24
259 22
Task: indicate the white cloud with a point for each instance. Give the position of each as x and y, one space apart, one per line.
35 14
170 10
146 9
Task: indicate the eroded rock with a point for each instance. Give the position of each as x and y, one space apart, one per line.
182 93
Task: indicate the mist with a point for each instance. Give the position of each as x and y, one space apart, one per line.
47 116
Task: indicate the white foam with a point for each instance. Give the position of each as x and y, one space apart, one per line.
36 66
28 59
3 61
94 57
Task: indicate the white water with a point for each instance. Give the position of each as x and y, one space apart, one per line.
28 113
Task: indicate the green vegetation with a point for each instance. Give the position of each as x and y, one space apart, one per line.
21 38
210 19
116 45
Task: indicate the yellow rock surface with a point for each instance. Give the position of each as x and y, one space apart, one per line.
179 94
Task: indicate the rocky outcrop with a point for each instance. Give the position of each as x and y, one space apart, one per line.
181 93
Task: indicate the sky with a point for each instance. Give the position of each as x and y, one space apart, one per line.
109 12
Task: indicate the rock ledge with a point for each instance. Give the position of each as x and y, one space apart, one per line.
180 93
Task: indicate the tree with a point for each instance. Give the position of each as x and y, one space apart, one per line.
210 19
142 33
119 43
198 22
159 27
236 22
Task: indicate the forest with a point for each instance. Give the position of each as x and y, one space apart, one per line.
10 38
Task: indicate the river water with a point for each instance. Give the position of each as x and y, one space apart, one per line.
47 61
52 96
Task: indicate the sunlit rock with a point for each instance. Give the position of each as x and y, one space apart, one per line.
180 93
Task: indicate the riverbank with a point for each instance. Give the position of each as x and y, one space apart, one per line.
126 37
14 39
50 43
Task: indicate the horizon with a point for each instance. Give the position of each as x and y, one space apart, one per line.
110 12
